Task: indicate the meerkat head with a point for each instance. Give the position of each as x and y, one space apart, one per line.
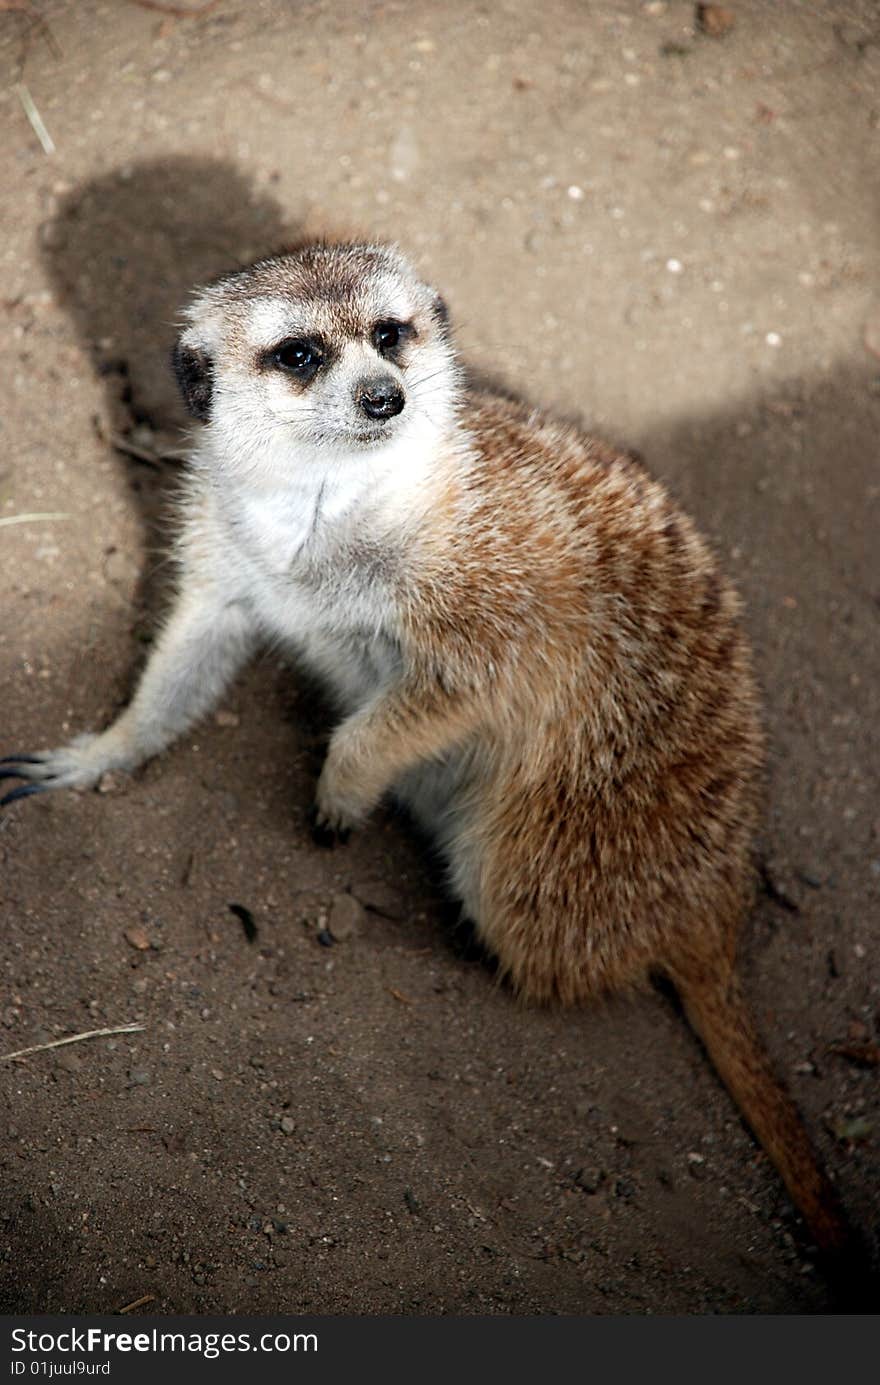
332 346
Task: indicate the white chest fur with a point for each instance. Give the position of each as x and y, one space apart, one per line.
313 545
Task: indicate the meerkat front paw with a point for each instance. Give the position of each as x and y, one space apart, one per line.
323 832
336 811
77 765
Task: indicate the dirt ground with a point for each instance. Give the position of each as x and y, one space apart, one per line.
672 234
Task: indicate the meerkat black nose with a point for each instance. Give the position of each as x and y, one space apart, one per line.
382 398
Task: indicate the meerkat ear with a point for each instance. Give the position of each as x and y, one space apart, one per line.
194 369
440 310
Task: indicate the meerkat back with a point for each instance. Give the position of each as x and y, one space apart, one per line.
606 834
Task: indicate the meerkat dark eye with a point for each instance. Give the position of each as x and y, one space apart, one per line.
300 357
386 337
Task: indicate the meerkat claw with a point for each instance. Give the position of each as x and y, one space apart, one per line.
14 773
323 833
23 791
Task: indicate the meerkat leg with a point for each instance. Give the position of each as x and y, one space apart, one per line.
379 743
204 643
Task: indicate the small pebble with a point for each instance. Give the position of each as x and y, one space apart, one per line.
715 20
137 938
588 1180
346 917
287 1125
110 782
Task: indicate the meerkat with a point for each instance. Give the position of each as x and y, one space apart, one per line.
527 642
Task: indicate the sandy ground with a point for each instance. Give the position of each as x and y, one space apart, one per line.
671 235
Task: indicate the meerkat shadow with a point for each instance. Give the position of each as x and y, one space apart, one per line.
123 252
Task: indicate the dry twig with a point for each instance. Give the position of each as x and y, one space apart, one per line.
138 1303
398 995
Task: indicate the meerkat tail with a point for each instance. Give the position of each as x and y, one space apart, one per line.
716 1010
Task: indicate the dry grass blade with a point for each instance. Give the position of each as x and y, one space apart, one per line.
141 454
72 1039
178 11
33 518
35 119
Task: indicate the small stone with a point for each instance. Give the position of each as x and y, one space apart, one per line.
814 879
224 718
346 917
287 1125
137 938
589 1180
111 781
715 20
138 1077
